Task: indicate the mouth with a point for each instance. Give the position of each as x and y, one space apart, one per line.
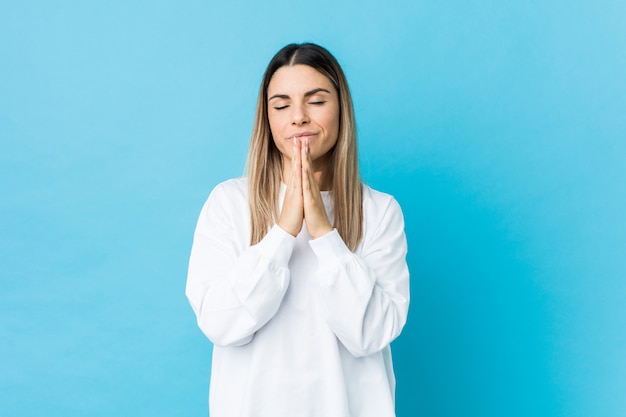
303 135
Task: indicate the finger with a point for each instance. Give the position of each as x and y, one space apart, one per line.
307 152
292 175
310 163
306 167
317 222
295 165
312 176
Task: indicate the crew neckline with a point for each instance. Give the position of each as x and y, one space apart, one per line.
283 188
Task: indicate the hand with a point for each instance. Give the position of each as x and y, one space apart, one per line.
303 200
316 219
292 214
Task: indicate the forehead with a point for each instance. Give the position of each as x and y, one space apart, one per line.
297 79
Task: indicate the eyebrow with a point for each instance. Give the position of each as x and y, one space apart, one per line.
307 94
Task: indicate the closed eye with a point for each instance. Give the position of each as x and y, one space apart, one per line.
317 103
281 107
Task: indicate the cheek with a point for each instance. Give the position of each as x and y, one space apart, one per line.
272 123
331 122
277 125
279 142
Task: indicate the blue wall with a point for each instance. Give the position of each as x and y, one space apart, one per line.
499 125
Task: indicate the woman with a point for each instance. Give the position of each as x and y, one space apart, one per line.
298 272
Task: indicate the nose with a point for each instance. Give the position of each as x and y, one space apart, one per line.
299 115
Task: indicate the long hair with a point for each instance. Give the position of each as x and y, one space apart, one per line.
264 166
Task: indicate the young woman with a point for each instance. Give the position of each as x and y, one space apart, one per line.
298 272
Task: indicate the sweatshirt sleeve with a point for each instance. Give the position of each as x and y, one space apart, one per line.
367 295
235 289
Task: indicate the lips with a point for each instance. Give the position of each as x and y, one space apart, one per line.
302 135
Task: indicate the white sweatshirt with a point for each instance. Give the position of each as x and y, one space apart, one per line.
300 327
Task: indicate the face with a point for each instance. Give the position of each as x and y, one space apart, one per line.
302 102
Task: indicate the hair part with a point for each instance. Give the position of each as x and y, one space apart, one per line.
264 165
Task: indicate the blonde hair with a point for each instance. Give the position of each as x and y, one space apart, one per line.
264 166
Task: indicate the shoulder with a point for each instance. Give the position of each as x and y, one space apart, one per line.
226 211
229 193
382 216
232 187
377 202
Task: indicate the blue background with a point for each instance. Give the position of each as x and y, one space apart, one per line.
498 125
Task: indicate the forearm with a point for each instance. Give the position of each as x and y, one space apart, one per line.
234 295
366 304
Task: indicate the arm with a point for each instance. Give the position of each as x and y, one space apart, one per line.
366 296
235 289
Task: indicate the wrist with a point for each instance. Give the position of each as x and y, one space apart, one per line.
291 230
321 232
